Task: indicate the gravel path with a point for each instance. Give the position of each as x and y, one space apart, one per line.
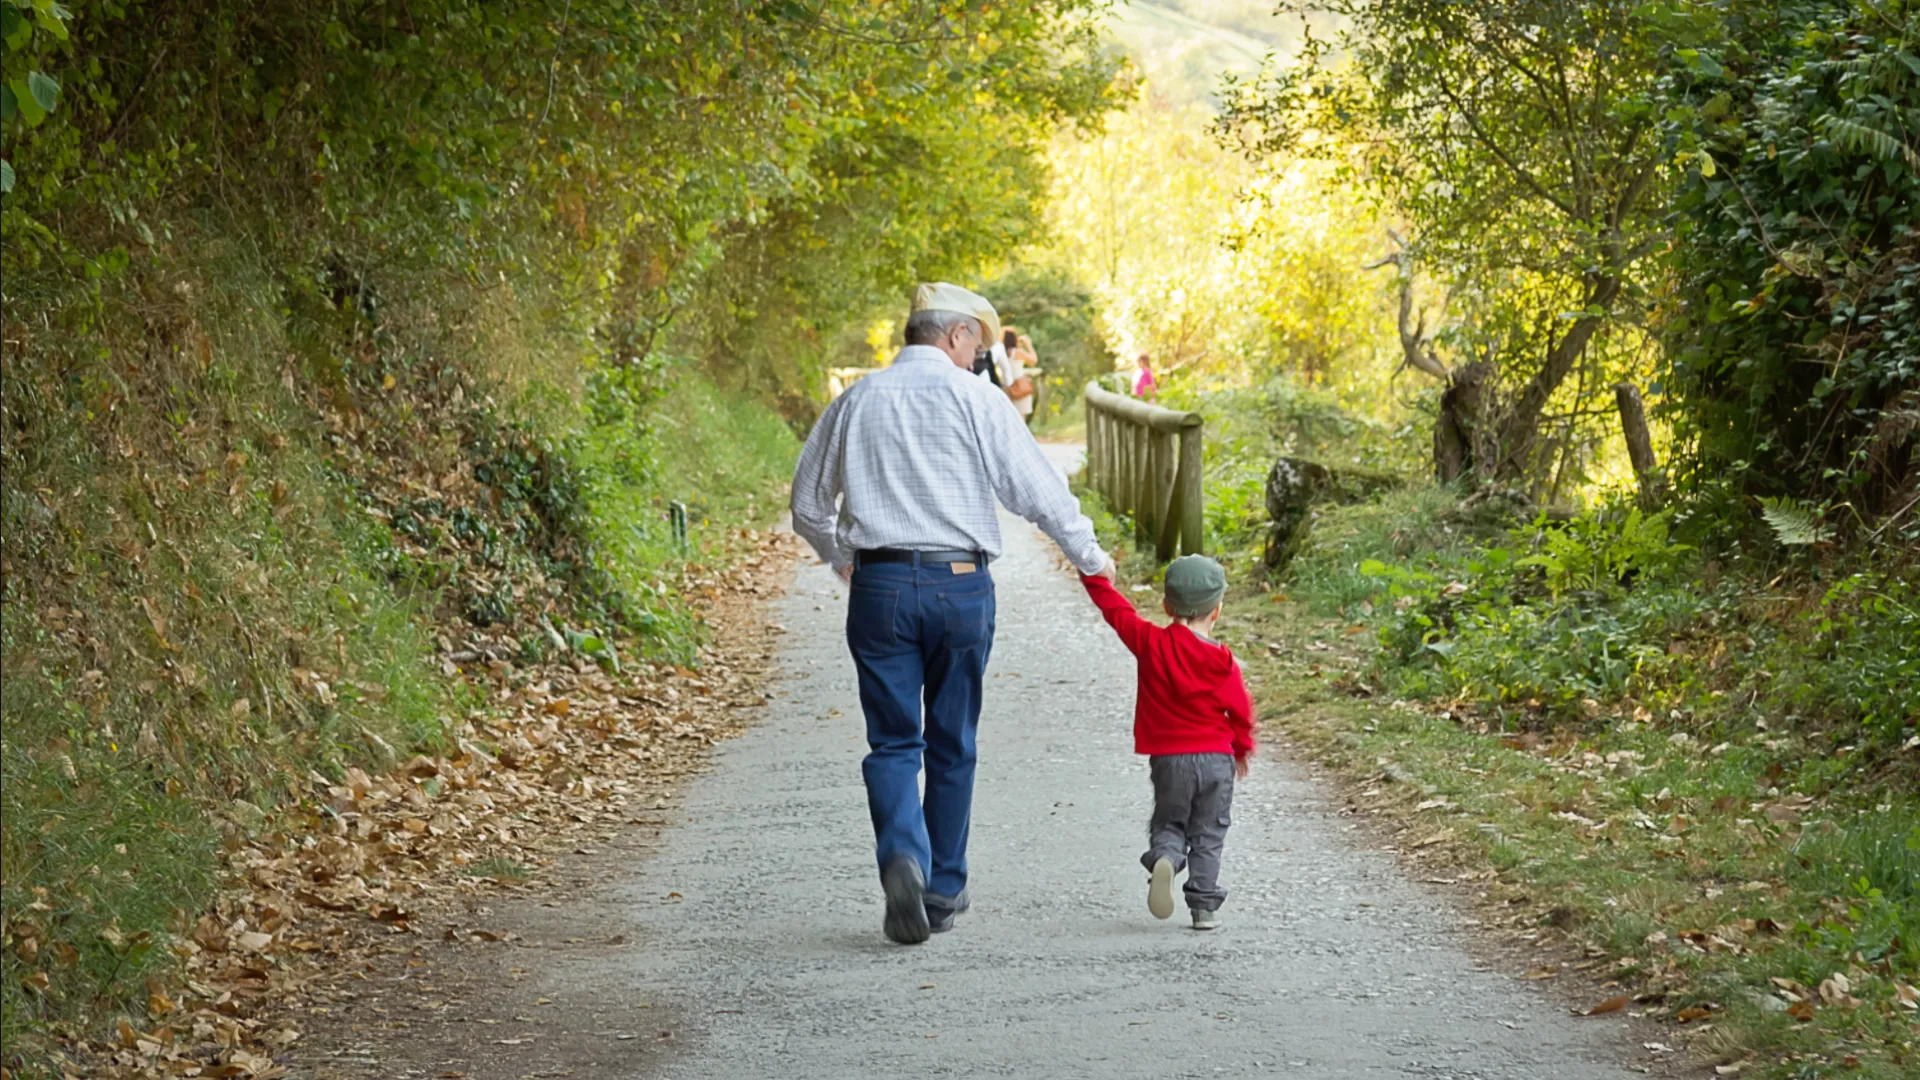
1329 963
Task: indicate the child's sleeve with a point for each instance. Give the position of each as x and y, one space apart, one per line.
1119 612
1238 705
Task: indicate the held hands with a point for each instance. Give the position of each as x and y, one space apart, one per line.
1107 571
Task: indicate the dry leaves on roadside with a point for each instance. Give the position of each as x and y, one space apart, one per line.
1601 1008
326 888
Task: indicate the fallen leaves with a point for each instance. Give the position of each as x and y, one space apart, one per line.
320 889
1601 1008
1836 990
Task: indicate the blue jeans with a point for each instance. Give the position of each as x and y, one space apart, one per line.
920 636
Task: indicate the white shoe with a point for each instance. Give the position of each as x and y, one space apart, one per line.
1160 889
1206 920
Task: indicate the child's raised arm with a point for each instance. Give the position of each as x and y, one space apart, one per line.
1119 612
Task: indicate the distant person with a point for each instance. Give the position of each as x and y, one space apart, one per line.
896 490
990 363
1145 386
1193 719
1020 365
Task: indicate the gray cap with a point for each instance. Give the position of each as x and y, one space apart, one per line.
1195 585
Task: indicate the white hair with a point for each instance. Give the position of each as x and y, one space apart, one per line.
930 327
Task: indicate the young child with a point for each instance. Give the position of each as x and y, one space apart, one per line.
1194 720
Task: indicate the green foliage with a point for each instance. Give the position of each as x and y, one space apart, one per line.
1569 622
1854 659
1415 531
30 33
1794 340
1284 416
195 614
1594 554
1220 271
226 568
1794 524
1046 304
330 332
726 457
683 170
1627 830
1519 150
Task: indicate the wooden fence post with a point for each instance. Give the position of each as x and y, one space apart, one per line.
1146 461
1090 470
1192 513
1143 489
1164 449
1116 464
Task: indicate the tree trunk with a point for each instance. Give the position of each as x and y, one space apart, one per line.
1460 431
1633 423
1523 423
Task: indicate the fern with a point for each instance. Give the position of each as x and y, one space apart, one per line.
1855 137
1793 523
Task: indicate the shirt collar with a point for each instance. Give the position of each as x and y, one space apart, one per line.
915 353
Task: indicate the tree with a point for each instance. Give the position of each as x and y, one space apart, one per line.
633 160
1517 141
1794 342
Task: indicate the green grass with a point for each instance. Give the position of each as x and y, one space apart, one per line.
725 457
1684 846
209 596
1410 525
500 869
180 582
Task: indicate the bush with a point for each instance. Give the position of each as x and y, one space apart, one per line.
1419 527
1247 430
1853 660
1795 350
1575 622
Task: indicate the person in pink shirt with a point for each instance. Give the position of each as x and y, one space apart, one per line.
1144 385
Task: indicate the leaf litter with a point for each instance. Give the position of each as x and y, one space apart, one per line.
326 891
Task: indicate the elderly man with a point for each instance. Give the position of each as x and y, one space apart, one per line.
895 490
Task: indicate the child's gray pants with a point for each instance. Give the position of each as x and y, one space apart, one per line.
1192 807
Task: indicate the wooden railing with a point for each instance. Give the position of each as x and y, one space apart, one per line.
1145 461
838 379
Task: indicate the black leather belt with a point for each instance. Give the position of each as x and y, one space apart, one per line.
922 558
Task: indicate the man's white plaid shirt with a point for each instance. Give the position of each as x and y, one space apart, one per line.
912 457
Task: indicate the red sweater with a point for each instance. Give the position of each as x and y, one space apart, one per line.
1191 698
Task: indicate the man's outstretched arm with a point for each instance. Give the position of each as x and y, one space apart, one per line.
1028 484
